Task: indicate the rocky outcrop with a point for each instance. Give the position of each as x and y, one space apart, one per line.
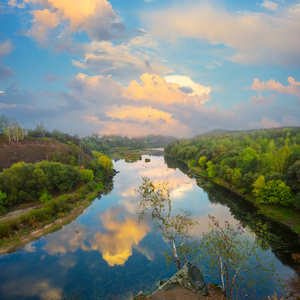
189 277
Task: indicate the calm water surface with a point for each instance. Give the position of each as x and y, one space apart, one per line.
106 253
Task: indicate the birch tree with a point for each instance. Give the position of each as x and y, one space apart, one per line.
233 256
155 200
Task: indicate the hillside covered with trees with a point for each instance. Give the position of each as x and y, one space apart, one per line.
264 164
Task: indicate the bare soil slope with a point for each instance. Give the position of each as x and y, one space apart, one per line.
29 151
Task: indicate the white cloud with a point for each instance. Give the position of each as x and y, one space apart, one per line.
257 38
125 61
269 5
195 88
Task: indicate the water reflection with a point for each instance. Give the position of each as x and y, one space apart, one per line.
115 244
107 253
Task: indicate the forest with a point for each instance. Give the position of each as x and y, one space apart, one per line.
264 164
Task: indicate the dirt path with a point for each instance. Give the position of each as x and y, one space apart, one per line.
16 213
20 242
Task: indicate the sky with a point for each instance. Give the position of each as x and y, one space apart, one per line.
143 67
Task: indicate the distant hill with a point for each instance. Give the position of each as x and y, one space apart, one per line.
35 149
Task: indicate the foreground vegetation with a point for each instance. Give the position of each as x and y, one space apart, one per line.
234 255
263 165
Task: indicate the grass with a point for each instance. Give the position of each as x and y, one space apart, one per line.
286 215
129 155
52 210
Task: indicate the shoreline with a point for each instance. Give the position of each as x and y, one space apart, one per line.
19 240
290 219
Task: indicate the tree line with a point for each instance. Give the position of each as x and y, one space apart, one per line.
264 163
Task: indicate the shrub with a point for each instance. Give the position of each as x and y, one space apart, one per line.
86 175
45 197
4 230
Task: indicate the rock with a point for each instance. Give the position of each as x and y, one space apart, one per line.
189 277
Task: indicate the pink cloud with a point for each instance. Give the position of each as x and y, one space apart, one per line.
273 86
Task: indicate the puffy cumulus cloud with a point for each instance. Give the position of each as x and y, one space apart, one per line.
124 60
187 83
116 243
43 21
253 36
165 91
269 5
273 86
96 17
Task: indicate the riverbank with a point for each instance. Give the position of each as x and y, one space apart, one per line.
286 216
25 226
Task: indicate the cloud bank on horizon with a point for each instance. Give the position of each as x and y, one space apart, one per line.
146 67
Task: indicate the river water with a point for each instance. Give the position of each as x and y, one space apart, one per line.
106 253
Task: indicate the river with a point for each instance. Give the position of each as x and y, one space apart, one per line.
106 253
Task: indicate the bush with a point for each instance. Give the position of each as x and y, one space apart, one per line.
86 175
45 197
4 230
272 192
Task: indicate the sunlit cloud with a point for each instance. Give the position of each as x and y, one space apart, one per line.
191 88
95 17
252 36
43 21
156 89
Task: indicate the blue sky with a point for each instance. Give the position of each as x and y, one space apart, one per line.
150 67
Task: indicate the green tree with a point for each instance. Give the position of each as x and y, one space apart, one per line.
280 158
87 175
234 258
272 192
155 200
202 161
106 163
211 170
